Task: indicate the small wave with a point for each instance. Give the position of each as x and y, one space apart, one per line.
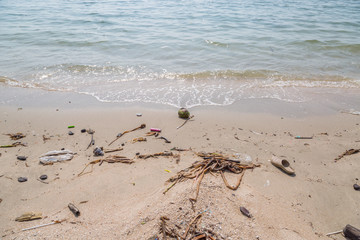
140 84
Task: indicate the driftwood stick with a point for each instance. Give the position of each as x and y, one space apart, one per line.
185 122
121 134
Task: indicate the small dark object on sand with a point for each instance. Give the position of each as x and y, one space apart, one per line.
245 212
83 130
22 158
22 179
43 177
71 133
98 151
356 187
74 209
351 232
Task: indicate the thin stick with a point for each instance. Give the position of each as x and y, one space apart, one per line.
43 225
332 233
121 134
185 122
188 228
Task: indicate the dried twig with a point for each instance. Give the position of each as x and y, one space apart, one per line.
109 159
121 134
347 152
185 122
15 144
16 136
165 154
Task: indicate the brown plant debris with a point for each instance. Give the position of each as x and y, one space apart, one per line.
139 139
192 231
121 134
109 159
28 217
112 150
15 144
163 154
185 121
180 149
347 152
16 136
212 162
45 138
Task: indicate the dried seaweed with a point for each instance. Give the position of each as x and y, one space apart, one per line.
121 134
212 162
164 154
167 228
15 144
347 152
109 159
16 136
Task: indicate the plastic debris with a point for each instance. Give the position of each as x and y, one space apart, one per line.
56 156
72 126
155 129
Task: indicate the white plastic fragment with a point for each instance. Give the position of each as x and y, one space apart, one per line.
56 156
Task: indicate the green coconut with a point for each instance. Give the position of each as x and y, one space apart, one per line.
183 113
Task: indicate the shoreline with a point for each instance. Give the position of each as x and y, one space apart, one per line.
122 201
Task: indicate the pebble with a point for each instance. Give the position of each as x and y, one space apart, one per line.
356 187
22 179
83 130
71 133
43 177
22 158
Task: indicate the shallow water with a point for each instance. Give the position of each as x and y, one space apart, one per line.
181 53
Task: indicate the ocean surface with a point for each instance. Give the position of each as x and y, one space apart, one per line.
182 53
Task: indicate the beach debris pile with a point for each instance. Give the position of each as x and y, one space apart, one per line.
212 162
168 228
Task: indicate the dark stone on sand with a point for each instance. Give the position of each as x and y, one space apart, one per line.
71 133
83 130
43 177
22 179
356 187
22 158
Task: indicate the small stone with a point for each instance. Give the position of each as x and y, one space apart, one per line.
62 149
71 133
22 179
123 144
139 114
43 177
137 154
356 187
83 130
22 158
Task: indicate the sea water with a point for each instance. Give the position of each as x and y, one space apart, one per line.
181 53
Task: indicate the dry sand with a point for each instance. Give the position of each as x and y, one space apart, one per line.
126 201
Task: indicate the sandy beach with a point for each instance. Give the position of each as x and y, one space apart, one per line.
126 201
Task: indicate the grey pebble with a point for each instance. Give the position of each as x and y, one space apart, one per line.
22 158
43 177
22 179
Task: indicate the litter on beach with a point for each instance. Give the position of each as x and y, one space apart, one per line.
56 156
